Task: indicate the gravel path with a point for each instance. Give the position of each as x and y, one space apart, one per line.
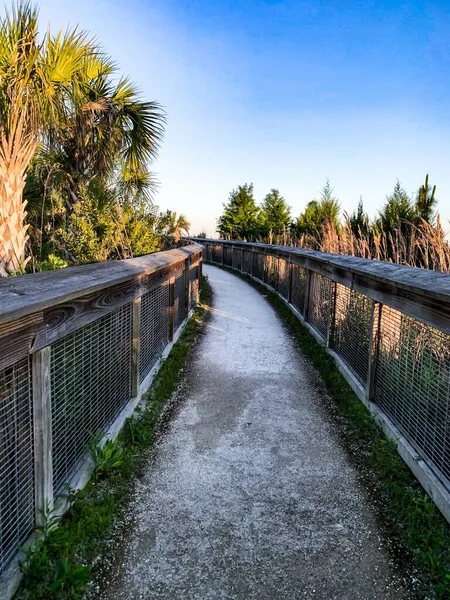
250 494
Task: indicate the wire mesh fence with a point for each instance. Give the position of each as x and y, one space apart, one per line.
248 261
17 503
283 278
217 253
154 330
271 270
194 283
258 266
350 335
237 259
91 383
397 361
320 304
78 387
412 384
180 299
228 256
299 282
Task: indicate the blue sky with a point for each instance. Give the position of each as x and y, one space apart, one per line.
285 94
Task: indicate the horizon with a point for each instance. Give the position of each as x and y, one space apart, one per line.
283 95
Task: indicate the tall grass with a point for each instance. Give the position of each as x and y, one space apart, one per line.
416 245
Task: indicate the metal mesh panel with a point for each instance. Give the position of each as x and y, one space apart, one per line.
283 278
91 383
248 261
298 287
154 327
16 460
258 266
319 303
412 384
237 258
217 253
179 300
194 285
351 329
228 256
271 268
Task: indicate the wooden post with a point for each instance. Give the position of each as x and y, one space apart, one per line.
197 278
331 313
277 278
42 423
291 274
187 286
136 347
374 340
308 282
171 307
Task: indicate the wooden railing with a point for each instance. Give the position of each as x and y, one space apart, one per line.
387 327
78 348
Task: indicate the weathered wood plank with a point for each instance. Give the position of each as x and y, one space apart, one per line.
27 294
374 337
419 281
419 293
65 318
42 422
187 287
171 308
18 337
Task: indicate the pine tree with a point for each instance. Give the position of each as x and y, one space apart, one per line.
241 217
398 211
276 214
359 221
320 213
426 202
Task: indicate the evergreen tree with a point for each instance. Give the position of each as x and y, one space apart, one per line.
359 221
426 202
319 213
275 213
398 209
241 217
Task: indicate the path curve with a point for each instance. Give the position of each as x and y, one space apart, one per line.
250 494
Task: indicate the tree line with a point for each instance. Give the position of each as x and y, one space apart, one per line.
406 230
76 142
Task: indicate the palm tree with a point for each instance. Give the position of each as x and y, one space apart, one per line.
36 79
110 135
173 225
60 96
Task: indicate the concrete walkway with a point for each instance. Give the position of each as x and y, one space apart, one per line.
250 495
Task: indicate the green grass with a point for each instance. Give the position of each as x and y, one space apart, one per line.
59 566
417 529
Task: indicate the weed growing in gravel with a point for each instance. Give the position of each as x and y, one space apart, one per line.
106 457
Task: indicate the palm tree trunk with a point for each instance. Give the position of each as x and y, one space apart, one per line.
13 230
